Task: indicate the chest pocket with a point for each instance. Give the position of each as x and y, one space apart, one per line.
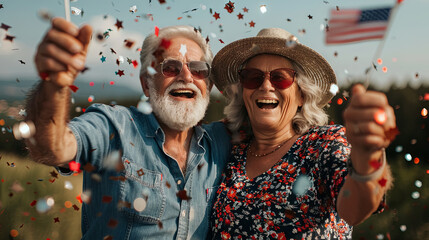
142 195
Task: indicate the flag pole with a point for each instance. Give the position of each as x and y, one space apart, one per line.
67 9
381 44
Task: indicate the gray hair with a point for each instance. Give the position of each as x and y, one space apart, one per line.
152 43
309 115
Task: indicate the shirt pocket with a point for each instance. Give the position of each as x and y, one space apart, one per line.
142 195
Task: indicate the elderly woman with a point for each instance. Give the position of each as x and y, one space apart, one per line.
291 176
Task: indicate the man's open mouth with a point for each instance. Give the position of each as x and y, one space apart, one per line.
185 93
267 103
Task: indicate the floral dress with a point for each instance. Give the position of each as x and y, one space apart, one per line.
295 199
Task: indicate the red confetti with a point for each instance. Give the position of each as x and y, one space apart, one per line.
57 219
240 16
161 1
220 40
33 203
9 38
140 172
165 43
52 180
380 117
112 223
5 27
75 207
245 10
391 133
156 31
216 15
382 182
43 75
79 199
120 73
74 166
182 195
73 88
106 199
118 24
111 82
135 63
252 23
375 164
426 97
229 7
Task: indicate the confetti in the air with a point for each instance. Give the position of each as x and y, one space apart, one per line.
334 89
133 9
183 49
76 11
263 8
24 130
139 204
301 185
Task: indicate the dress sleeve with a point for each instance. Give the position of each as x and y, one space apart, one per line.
336 151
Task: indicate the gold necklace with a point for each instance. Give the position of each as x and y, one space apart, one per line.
265 154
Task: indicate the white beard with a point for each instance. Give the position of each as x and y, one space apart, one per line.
178 115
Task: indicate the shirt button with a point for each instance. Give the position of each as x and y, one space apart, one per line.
183 213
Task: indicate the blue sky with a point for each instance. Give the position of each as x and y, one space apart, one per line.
405 53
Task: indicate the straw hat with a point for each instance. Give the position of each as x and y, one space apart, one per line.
229 60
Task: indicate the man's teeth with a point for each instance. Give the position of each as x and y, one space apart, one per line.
182 93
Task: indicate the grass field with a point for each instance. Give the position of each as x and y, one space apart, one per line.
22 183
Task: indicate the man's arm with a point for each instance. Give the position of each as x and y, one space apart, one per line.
59 58
370 177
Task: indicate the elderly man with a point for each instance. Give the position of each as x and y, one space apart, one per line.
147 176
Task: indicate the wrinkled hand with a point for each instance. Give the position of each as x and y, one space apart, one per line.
62 53
369 120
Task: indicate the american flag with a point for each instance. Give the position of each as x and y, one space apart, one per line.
352 25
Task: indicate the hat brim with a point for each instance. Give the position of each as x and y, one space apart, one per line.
229 60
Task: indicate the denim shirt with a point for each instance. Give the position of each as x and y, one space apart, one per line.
144 195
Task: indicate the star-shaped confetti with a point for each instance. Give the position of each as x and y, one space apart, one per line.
382 182
57 219
183 49
9 38
120 73
21 61
240 16
216 15
391 133
252 23
4 26
245 10
128 43
229 7
74 166
118 24
183 195
73 88
161 1
310 17
22 112
103 59
54 174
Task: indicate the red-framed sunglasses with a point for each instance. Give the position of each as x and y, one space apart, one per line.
172 68
280 78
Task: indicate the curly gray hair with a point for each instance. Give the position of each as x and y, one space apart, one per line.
310 114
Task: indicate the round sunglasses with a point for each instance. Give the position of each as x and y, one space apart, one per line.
172 68
280 78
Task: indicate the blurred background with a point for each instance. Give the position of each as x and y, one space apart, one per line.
37 203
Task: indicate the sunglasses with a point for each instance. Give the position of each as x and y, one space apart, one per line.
172 68
280 78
